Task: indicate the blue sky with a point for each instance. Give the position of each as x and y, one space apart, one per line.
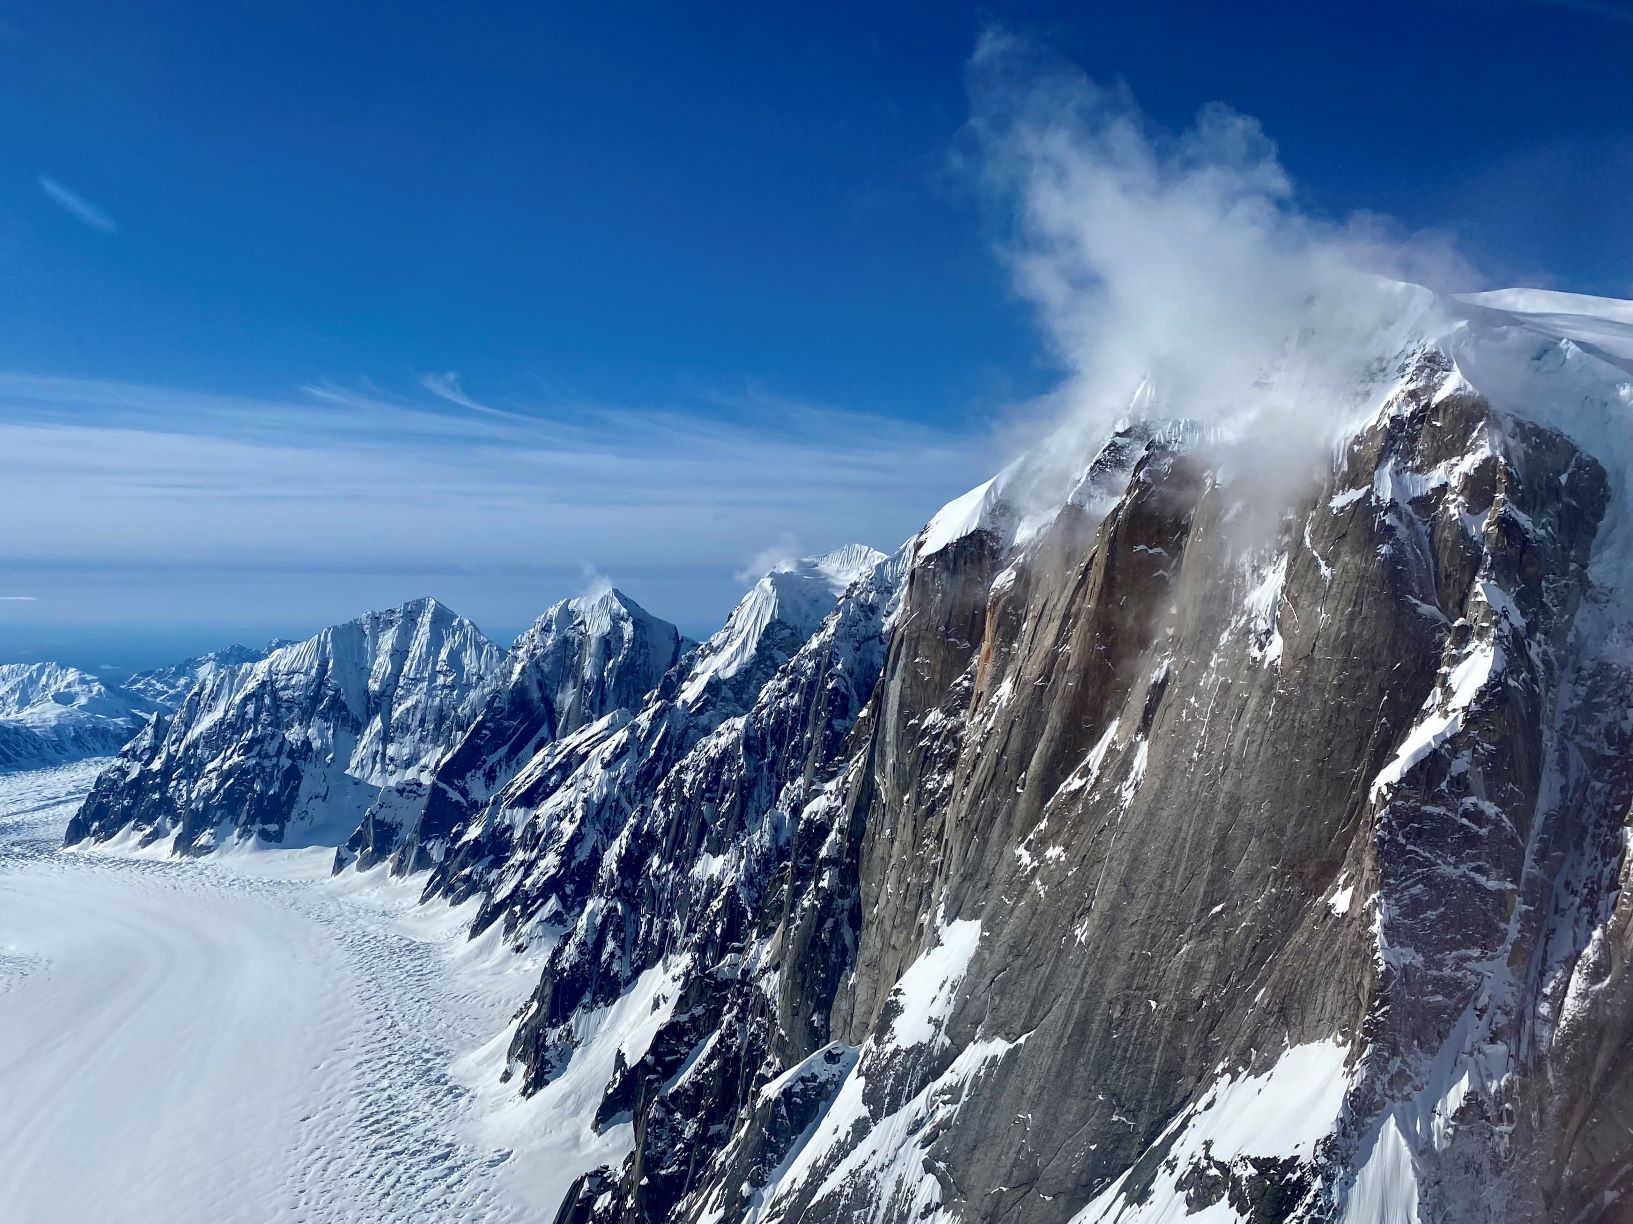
313 308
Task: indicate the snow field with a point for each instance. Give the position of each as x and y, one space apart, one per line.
232 1039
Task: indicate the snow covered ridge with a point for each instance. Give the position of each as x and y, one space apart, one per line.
1123 848
52 714
165 687
291 749
583 660
797 595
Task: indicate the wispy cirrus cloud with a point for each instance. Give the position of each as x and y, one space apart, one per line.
446 386
340 497
76 205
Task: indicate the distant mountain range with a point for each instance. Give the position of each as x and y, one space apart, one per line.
51 713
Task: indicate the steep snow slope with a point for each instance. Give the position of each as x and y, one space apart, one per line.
50 713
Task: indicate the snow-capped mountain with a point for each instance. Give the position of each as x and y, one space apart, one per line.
51 713
293 749
534 852
1157 835
164 688
580 661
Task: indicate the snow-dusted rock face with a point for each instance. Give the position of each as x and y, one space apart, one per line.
294 748
581 661
679 891
1185 861
164 688
534 853
50 713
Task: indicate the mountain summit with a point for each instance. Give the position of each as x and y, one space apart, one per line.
292 749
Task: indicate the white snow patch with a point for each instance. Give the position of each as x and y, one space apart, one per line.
1385 1190
1085 774
1443 712
549 1132
849 1146
1136 771
1339 902
1281 1113
240 1038
1263 606
926 991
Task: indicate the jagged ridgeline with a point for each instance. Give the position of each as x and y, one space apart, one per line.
51 714
1146 839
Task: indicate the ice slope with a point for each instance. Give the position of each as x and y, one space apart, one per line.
1564 360
239 1039
1279 1115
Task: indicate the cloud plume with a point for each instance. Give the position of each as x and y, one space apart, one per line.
1180 266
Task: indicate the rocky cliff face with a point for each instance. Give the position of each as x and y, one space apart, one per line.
1157 835
1176 877
1181 860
